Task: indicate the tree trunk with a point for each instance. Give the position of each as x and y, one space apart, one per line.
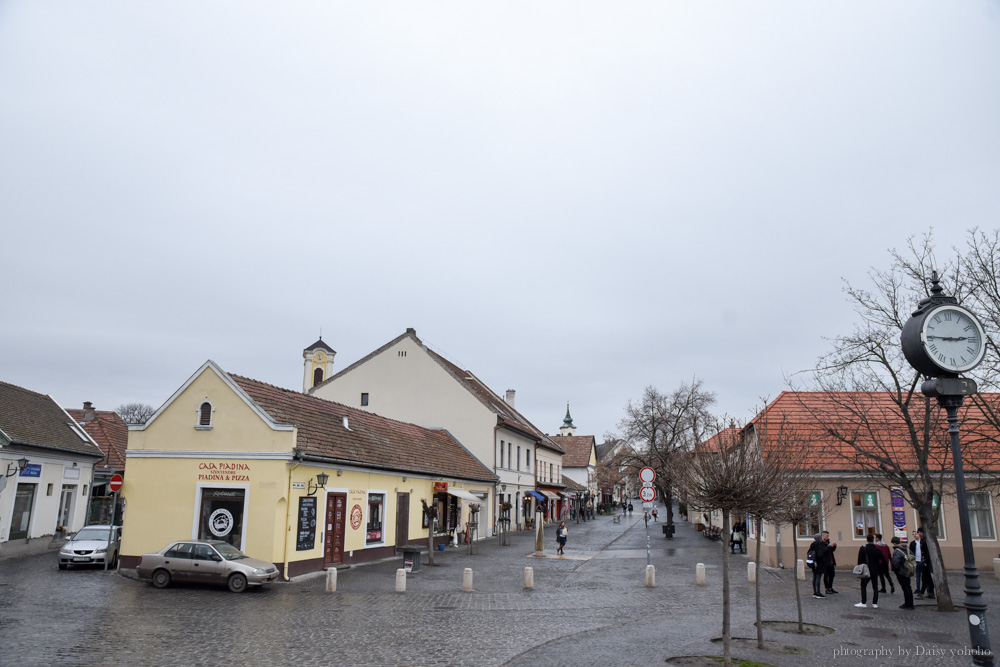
668 500
756 588
941 590
727 655
795 578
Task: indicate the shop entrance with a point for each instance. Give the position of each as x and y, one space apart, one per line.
333 535
20 521
402 519
222 515
66 506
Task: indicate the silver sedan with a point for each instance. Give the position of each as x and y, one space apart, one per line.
205 561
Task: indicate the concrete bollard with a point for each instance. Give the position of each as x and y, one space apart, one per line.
650 576
800 570
331 580
467 580
700 574
400 580
751 572
529 577
996 568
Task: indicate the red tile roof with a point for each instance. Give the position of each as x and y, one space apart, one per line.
578 449
110 432
824 420
368 440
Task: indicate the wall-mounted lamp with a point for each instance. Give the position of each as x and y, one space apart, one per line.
503 487
320 483
842 492
339 473
20 465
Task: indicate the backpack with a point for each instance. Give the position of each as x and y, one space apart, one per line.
909 566
811 559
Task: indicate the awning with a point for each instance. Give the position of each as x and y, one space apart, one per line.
537 496
464 495
550 495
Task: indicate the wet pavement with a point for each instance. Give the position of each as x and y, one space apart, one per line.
591 607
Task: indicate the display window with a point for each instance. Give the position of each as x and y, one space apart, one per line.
222 514
374 527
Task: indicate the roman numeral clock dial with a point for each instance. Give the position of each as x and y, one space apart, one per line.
943 339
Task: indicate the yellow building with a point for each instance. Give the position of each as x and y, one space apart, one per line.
289 478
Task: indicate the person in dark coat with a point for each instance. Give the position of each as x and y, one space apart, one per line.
897 560
822 558
884 576
925 576
872 556
831 572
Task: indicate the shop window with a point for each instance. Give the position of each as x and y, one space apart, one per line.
866 514
222 515
24 500
980 515
205 411
373 529
813 521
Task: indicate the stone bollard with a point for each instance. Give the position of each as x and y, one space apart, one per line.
800 570
400 580
467 580
650 576
529 577
700 574
751 571
331 580
996 568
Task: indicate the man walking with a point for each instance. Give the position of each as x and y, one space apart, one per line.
925 576
822 551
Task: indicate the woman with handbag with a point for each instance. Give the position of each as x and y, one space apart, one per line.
870 563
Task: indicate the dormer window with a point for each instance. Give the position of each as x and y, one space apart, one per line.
205 411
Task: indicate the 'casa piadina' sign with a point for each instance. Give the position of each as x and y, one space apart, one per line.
223 471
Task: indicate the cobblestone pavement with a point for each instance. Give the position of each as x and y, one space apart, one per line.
590 608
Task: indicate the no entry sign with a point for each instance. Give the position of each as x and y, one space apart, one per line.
116 483
647 493
647 474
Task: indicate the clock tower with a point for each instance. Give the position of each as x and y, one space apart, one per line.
317 364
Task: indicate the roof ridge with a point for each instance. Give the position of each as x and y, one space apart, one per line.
370 355
27 391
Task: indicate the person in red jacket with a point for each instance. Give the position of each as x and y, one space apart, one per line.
885 575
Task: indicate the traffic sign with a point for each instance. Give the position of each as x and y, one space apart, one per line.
647 493
647 474
647 506
116 483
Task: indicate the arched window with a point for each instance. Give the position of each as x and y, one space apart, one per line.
317 376
205 411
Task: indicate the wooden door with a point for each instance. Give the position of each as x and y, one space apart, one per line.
333 535
402 519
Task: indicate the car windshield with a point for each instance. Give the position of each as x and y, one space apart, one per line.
93 534
229 552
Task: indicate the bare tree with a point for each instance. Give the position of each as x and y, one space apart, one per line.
135 413
659 428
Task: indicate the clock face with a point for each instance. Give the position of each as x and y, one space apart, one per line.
953 338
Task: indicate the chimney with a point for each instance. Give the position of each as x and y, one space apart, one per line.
411 330
88 411
509 398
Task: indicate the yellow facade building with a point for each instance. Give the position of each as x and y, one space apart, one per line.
289 478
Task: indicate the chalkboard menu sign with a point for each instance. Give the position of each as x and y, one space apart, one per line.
307 523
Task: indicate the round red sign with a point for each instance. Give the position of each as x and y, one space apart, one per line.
356 517
647 493
116 483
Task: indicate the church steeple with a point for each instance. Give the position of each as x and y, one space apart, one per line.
567 428
318 361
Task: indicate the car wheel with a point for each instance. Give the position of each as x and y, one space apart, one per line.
237 583
63 566
161 578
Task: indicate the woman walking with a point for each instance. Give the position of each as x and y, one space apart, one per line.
561 536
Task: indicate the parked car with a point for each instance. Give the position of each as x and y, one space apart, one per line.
92 545
205 561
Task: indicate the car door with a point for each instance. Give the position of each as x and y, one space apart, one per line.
208 566
179 561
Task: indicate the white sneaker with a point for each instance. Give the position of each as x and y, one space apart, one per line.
874 606
861 604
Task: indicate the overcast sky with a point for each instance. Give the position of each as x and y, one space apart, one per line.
571 199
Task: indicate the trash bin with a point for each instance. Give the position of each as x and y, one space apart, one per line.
668 530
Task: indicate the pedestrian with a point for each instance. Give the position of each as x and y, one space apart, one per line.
630 509
831 572
737 537
561 533
654 514
885 575
870 555
898 562
820 553
925 576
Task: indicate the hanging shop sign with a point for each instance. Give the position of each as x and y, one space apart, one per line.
898 512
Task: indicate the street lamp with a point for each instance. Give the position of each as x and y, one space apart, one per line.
841 494
321 480
941 340
13 469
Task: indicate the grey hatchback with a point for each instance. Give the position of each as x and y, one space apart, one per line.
205 561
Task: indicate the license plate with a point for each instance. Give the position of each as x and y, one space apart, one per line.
81 559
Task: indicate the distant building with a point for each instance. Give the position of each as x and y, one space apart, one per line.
580 459
110 432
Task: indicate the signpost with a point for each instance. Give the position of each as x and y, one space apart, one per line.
648 494
115 485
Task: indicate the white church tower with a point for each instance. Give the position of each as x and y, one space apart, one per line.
318 362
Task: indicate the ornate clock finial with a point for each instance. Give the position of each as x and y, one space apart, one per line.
936 290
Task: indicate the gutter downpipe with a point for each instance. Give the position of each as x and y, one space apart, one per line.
288 516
